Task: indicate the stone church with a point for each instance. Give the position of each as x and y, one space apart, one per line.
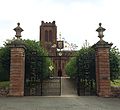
48 39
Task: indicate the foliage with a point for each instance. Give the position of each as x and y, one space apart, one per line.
70 67
86 61
4 63
42 62
114 63
4 84
115 83
42 66
84 57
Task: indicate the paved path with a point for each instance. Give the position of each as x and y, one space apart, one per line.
68 86
59 103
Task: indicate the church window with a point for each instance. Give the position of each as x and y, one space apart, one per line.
46 35
50 36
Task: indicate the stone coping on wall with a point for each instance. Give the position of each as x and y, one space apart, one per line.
115 91
4 91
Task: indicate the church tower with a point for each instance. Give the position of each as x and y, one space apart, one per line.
48 37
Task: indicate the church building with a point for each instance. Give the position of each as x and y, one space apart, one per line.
48 39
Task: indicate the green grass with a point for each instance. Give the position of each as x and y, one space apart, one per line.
115 83
4 84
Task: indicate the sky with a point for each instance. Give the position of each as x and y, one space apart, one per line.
77 20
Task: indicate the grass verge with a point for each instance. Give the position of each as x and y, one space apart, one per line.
4 84
115 83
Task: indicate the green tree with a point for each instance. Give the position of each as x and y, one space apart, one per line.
42 62
86 61
84 56
70 67
4 63
114 63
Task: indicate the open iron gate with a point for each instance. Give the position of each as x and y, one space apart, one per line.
86 77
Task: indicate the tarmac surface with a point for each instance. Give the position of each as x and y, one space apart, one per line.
59 103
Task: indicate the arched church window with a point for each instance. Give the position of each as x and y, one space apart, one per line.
50 36
46 35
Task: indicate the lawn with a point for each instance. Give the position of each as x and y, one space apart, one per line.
115 83
4 84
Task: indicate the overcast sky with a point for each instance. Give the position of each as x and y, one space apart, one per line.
77 20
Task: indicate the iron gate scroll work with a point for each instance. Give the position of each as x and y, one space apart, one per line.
86 78
35 84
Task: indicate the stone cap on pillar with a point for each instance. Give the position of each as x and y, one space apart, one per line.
17 44
102 44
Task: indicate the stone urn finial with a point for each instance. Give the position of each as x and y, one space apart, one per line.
100 31
18 31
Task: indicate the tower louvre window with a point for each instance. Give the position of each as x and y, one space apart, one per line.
46 35
50 36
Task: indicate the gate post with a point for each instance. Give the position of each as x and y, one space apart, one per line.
102 65
17 65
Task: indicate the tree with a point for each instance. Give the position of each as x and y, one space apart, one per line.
42 62
4 63
84 56
114 63
70 67
86 62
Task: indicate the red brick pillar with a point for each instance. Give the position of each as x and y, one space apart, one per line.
17 69
103 68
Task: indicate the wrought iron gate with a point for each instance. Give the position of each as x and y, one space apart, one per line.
33 77
86 78
35 83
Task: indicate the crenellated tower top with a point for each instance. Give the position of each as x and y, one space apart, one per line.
48 23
